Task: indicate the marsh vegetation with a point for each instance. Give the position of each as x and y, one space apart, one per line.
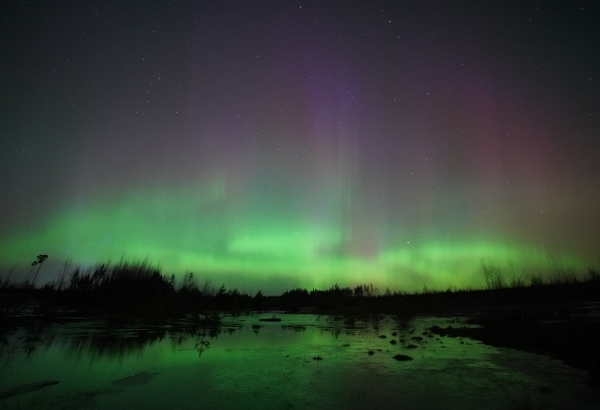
555 314
139 290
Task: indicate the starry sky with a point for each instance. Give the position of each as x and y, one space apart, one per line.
281 144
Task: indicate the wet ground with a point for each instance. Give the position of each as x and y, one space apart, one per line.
570 333
300 362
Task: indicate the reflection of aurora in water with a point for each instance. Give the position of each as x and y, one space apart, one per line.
251 364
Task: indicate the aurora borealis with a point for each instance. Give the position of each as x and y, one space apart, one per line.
280 144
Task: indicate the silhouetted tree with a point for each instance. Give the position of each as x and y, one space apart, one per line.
259 300
40 259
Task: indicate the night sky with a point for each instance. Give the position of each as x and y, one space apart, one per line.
280 144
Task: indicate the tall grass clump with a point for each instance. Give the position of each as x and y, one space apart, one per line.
124 289
515 275
536 280
593 276
5 281
562 276
195 301
494 278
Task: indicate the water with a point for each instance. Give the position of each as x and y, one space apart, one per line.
302 362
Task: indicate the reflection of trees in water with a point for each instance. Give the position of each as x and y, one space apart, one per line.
230 330
115 346
339 325
295 328
110 344
199 337
24 341
201 346
123 343
203 337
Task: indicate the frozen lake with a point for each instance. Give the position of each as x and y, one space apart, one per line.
301 362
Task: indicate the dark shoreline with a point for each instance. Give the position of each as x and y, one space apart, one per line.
560 318
546 330
555 332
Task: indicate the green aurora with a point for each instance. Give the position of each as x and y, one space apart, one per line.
273 145
192 230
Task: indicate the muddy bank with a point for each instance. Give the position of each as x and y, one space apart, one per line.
558 333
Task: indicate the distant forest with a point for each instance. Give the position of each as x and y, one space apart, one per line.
139 290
